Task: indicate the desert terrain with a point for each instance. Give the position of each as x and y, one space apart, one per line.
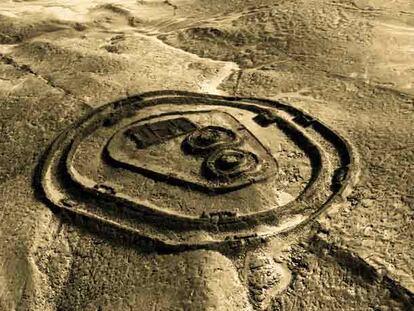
348 63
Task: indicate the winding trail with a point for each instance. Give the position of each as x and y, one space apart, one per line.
210 86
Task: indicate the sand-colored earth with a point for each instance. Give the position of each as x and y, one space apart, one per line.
350 63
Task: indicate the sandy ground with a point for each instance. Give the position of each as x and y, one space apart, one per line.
349 63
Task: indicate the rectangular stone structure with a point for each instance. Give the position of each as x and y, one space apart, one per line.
149 134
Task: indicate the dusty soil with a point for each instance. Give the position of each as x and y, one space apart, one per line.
348 63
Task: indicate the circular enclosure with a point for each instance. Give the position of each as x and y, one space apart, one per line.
206 139
227 164
191 169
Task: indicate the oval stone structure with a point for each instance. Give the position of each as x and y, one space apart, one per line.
196 170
